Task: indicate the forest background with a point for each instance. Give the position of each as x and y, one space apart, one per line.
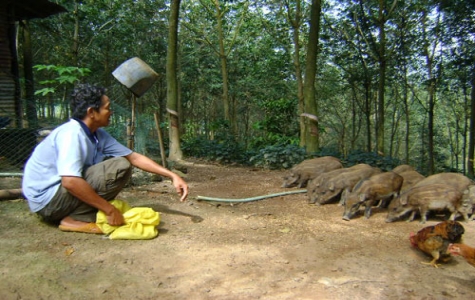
269 83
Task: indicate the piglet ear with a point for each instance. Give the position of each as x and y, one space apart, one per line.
361 197
402 200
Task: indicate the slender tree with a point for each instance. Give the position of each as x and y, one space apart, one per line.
379 50
172 86
404 54
294 17
223 59
311 109
430 52
222 44
350 52
459 29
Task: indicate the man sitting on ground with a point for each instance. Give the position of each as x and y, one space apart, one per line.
79 167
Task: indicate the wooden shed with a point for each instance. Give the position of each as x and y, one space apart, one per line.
12 11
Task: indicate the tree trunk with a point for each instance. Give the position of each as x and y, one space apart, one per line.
75 46
175 152
406 114
354 114
431 124
429 56
382 78
466 123
224 67
471 141
367 107
311 109
295 23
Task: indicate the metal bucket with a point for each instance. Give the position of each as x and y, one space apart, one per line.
136 75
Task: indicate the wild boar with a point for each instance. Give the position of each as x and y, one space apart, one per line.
378 187
430 197
410 179
460 182
468 201
456 180
346 192
403 168
308 169
332 188
314 184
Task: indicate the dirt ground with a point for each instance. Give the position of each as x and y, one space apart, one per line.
275 248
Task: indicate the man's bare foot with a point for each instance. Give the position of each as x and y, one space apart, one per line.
69 224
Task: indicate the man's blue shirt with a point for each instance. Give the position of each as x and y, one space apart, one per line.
67 151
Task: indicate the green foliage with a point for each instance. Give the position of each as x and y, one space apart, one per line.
64 75
224 151
327 151
262 77
118 131
227 150
45 91
278 156
270 138
220 127
385 163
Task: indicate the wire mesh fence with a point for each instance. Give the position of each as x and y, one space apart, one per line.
139 134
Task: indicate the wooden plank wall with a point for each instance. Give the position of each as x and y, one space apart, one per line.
7 84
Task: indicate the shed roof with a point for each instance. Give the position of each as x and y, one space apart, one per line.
30 9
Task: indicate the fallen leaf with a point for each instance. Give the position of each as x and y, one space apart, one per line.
69 251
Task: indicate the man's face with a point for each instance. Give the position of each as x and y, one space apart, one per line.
102 117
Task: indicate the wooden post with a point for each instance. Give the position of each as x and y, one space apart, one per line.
131 126
130 138
160 140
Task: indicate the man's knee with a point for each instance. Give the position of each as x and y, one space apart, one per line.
117 172
119 162
109 173
119 166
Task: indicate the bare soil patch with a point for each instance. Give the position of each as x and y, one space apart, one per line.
276 248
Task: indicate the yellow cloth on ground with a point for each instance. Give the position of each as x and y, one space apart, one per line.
140 222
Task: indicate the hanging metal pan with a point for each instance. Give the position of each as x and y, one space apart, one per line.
136 75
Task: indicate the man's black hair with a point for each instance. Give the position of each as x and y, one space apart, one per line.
85 96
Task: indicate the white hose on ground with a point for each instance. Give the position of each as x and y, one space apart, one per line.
252 198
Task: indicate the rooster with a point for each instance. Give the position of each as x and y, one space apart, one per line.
463 250
434 240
